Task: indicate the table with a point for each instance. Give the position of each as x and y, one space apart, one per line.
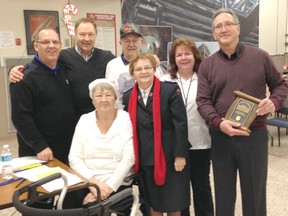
8 190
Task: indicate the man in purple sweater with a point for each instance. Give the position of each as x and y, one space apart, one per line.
247 69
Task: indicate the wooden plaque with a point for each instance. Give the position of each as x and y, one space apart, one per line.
243 110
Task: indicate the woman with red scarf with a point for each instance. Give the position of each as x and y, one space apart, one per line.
160 138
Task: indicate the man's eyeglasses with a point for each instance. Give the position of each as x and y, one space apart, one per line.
46 43
140 69
227 25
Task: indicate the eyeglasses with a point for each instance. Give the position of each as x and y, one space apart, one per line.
127 42
140 69
227 25
47 43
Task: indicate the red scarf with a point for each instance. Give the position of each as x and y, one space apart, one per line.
159 158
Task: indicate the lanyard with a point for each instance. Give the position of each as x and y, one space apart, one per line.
185 96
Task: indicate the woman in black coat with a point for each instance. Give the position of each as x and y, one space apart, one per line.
160 137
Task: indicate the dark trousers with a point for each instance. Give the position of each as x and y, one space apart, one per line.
200 182
249 157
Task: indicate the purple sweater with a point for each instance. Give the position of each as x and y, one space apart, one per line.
218 78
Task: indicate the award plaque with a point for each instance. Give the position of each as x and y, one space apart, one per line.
243 110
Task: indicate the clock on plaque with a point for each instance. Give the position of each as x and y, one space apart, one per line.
243 110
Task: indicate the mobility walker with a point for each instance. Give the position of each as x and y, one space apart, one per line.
101 208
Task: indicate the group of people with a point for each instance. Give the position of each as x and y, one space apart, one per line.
69 104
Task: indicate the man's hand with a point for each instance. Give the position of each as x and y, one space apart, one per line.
157 60
232 128
45 154
266 106
179 163
15 74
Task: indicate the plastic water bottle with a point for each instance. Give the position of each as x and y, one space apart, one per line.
6 158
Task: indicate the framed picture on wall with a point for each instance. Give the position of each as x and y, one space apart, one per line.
106 31
36 20
155 40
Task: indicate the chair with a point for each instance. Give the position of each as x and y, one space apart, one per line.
280 121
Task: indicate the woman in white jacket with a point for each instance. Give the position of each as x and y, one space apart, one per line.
102 147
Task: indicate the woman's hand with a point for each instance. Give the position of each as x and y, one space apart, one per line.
179 163
104 189
89 198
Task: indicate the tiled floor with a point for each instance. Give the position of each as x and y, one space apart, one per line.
277 185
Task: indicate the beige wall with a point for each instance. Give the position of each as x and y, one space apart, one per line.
273 26
12 19
3 107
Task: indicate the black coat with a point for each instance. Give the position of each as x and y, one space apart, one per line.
174 124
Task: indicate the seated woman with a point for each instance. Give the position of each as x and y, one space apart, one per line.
102 146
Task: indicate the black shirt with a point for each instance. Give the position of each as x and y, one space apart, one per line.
235 55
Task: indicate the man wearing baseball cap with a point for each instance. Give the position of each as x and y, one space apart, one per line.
118 69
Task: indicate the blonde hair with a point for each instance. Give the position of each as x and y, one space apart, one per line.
85 20
141 56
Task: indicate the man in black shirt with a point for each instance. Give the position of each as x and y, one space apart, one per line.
42 107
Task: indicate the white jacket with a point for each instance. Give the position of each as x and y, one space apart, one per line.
108 157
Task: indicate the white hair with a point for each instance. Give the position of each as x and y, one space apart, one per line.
99 82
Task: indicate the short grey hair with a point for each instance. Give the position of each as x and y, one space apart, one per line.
36 39
225 10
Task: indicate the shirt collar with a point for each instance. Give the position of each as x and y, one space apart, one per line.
194 77
235 55
124 60
79 51
52 70
146 90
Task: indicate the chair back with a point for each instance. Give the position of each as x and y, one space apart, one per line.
283 112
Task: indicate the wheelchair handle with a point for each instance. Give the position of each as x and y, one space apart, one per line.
98 208
121 195
132 177
21 207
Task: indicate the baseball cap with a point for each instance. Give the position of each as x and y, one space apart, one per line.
128 28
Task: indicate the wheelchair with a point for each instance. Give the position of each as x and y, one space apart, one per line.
101 208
